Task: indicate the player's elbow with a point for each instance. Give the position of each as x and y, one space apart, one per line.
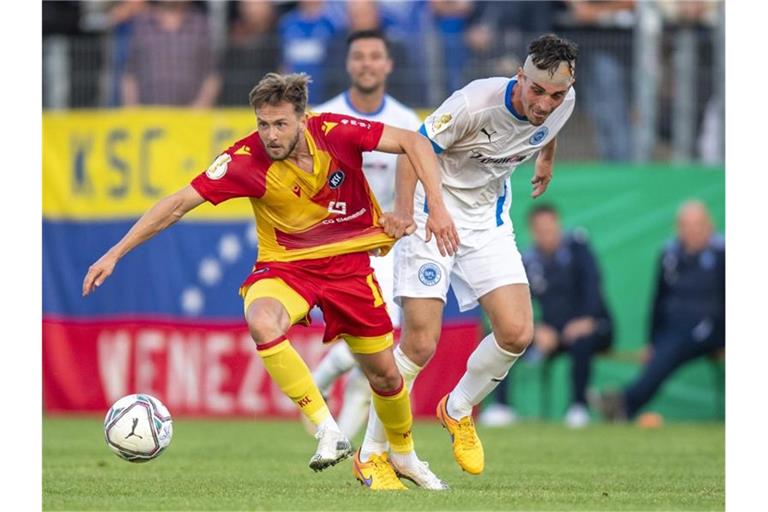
422 142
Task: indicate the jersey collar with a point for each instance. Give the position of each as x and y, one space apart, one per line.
508 101
364 114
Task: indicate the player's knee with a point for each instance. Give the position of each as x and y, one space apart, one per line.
263 326
385 380
515 336
419 345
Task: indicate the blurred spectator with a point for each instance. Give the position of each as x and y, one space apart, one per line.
688 311
368 15
452 17
61 18
363 15
699 18
565 281
306 32
406 24
170 60
253 49
603 30
120 18
66 43
498 38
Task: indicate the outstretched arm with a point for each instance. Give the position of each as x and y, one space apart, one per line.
162 215
424 164
399 222
545 163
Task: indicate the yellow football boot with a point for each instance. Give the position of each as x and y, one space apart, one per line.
467 448
377 474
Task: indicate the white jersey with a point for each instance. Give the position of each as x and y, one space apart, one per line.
379 168
480 139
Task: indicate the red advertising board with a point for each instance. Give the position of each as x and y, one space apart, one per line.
202 369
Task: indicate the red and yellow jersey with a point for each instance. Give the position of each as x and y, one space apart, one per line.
301 215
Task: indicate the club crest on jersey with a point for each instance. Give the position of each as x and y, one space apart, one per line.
429 274
336 178
218 168
539 136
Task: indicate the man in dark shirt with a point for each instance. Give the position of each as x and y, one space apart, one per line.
565 281
171 59
688 312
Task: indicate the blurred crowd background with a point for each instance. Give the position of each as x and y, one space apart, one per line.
646 138
650 79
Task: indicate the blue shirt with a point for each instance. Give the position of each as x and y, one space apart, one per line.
690 290
305 43
566 283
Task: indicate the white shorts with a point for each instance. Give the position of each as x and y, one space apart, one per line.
383 266
487 259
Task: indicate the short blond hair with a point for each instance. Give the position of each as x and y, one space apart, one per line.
275 88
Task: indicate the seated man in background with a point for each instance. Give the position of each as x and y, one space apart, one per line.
565 281
688 311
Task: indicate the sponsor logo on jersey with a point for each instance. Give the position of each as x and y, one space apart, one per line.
429 274
218 168
336 179
339 207
539 136
483 159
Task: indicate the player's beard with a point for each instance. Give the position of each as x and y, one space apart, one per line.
291 147
368 89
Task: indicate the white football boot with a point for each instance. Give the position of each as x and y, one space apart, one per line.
332 447
418 472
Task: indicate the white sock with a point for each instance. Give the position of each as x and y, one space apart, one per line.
357 401
336 362
408 369
404 459
375 440
486 367
329 424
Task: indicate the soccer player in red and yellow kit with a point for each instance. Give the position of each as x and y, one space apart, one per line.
317 221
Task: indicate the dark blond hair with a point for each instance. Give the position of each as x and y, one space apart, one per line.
275 88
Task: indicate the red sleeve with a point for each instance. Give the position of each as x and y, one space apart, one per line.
350 133
232 174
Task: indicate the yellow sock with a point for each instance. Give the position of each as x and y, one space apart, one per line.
290 373
394 411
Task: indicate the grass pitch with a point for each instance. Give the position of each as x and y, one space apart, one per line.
248 465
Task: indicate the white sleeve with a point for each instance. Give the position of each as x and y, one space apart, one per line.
449 123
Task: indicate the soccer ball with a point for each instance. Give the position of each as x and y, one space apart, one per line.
138 428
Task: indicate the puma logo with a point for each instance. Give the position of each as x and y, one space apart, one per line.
133 429
487 134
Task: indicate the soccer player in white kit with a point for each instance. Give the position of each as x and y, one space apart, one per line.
368 65
481 133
